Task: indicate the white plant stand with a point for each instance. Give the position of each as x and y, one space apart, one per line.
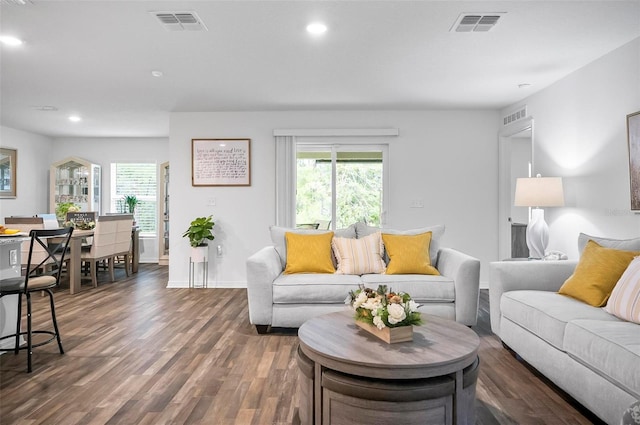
199 255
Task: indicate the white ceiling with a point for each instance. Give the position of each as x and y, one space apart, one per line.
94 58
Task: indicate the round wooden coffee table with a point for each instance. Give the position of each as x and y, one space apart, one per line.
348 376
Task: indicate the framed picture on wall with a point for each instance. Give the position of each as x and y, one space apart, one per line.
8 173
633 138
221 162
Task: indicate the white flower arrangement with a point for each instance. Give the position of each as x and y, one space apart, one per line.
384 308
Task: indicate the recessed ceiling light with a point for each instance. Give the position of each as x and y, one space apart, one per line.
157 73
74 118
10 40
316 28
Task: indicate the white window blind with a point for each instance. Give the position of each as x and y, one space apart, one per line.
139 179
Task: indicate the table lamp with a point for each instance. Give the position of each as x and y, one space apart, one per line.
538 192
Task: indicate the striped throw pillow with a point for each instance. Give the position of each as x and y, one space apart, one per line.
624 301
359 256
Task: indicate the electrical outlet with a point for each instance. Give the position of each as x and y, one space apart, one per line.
13 257
417 203
219 250
211 202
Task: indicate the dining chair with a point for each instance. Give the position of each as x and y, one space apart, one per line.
111 238
37 277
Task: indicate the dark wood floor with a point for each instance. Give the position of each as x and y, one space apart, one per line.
138 353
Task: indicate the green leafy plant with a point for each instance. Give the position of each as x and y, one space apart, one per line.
132 202
64 207
199 231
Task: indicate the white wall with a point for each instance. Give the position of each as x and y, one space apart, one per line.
104 151
447 158
34 156
580 135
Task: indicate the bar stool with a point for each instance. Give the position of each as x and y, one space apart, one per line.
43 250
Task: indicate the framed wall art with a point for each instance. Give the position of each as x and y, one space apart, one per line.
633 138
8 172
221 162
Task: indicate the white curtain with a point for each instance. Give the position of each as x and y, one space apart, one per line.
285 181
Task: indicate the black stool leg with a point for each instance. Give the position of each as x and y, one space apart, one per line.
19 324
55 322
29 342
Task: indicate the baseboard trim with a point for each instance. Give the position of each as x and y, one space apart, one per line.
210 285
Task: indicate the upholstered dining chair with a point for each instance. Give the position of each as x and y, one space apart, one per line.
37 277
111 238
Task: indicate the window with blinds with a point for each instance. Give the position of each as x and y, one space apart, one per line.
139 179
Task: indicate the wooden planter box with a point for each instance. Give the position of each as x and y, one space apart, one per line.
387 334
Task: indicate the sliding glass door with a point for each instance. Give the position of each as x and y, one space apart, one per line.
337 185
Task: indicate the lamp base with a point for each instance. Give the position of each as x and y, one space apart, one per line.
537 234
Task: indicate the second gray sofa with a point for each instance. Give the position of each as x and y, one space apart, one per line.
589 353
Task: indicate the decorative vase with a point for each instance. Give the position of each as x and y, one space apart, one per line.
387 334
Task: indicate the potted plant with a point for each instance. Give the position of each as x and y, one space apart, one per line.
199 232
132 202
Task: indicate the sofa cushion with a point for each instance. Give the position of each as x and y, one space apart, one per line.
309 253
546 313
596 274
611 348
623 244
624 301
278 240
312 288
359 256
422 288
436 235
408 254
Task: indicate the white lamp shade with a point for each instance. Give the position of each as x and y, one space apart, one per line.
539 192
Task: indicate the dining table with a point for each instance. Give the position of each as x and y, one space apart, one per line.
75 256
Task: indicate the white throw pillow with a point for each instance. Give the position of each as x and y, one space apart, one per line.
359 256
624 301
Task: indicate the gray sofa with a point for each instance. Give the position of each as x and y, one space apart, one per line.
590 354
288 300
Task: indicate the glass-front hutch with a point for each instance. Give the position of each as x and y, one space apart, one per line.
75 180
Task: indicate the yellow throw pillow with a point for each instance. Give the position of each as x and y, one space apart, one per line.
625 298
596 274
408 254
309 253
359 256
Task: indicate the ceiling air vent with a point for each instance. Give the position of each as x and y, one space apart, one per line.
180 21
515 116
476 22
16 2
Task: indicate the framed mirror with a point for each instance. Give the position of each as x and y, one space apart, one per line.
8 172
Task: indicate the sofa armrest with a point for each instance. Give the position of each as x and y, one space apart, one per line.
465 271
263 268
505 276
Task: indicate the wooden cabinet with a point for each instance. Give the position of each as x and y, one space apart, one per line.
163 216
75 180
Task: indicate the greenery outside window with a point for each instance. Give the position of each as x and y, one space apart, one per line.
338 185
139 179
